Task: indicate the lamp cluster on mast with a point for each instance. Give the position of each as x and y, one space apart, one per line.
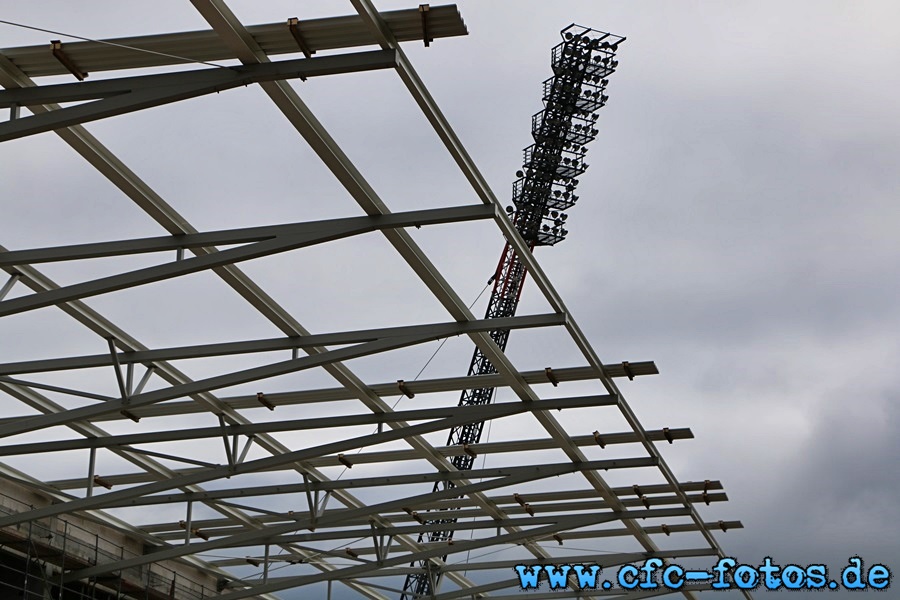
543 191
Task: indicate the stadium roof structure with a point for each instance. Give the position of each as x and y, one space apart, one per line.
312 486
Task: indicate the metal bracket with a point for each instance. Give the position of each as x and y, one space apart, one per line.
401 385
415 515
551 377
424 9
59 54
294 25
668 435
102 482
261 398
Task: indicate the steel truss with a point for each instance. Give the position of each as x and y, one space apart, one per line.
509 506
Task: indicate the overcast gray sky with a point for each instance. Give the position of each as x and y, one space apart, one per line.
738 225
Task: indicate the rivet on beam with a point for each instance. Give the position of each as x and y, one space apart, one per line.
599 439
261 398
63 58
100 481
294 25
344 461
405 389
424 9
549 372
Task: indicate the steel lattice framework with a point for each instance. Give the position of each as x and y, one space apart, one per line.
546 186
410 523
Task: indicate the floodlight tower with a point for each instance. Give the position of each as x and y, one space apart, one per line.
543 190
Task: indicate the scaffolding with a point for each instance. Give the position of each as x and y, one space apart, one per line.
40 552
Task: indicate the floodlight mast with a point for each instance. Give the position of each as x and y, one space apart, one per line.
544 189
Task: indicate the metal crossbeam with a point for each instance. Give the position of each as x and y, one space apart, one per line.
415 335
310 232
257 465
276 240
446 520
362 570
589 535
130 94
136 52
483 448
486 412
562 523
439 514
564 500
266 345
253 537
421 386
603 560
387 480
